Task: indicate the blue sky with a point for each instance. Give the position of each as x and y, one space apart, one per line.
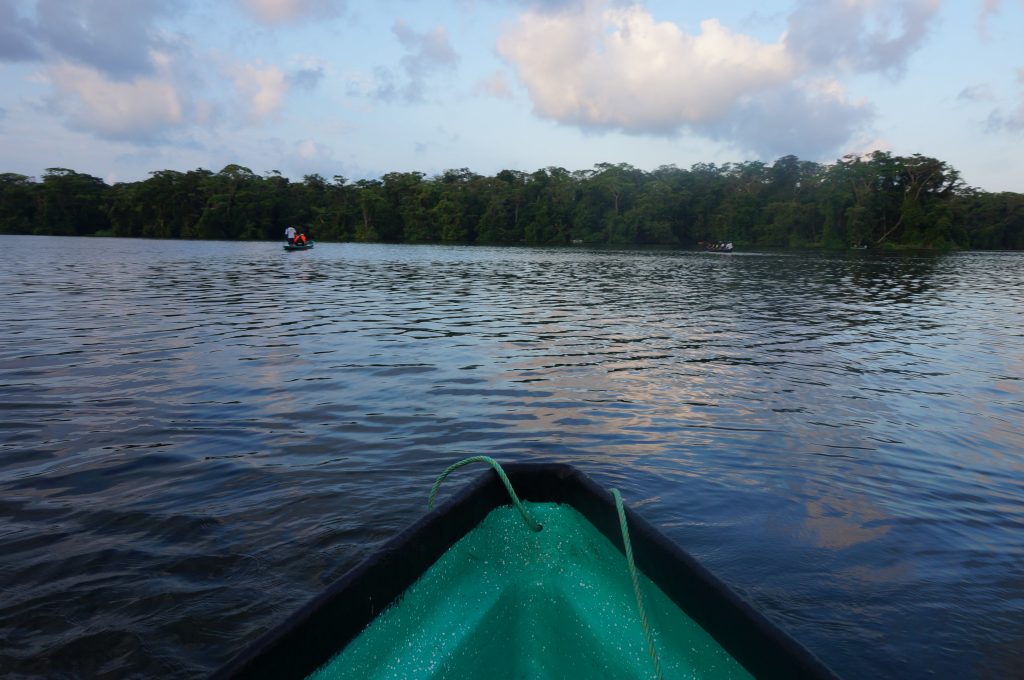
120 88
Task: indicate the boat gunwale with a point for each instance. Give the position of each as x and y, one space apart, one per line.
329 621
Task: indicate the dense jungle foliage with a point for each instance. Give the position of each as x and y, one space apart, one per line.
879 200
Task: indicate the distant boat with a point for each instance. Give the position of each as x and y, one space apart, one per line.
716 247
292 246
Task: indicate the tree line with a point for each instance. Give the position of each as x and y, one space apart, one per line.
880 200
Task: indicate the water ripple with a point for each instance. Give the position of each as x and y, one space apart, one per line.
198 436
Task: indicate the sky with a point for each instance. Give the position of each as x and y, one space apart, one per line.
121 88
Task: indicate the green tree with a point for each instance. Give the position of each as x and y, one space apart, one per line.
17 203
71 203
371 203
879 199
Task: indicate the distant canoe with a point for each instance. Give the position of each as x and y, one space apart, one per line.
720 247
308 246
472 591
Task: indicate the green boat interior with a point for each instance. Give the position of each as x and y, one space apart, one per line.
508 602
474 590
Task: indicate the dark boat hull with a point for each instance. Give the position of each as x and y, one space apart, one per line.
290 247
312 635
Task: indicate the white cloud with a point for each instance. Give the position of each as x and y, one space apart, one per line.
495 85
141 109
262 87
427 53
429 50
310 72
1013 122
16 36
285 11
977 93
989 7
307 157
307 149
867 146
810 120
602 65
1007 122
618 68
115 38
859 35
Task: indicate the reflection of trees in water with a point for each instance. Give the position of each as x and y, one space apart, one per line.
892 279
857 277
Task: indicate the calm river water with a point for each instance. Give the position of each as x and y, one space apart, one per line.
196 437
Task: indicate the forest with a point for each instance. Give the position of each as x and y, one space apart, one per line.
878 201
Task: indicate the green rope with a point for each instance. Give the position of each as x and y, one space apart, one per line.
530 522
636 585
537 527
